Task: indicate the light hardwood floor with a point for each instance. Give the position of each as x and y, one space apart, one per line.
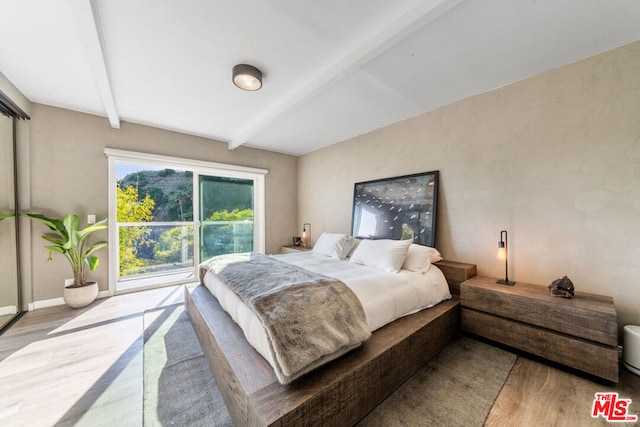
539 394
60 366
5 318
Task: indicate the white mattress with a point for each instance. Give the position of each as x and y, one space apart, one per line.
384 296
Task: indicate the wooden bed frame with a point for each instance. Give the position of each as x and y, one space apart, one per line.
338 393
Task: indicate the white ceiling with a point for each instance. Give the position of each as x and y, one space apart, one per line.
333 69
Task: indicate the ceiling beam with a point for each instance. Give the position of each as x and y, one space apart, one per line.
90 30
404 23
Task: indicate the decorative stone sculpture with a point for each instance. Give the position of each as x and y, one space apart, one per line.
562 287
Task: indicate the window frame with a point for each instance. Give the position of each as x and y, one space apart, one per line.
198 167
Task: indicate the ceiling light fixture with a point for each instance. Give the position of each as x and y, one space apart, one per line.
247 77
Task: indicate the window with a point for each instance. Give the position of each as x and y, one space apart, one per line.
167 214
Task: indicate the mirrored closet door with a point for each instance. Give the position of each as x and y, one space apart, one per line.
10 306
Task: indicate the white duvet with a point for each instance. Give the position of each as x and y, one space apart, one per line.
384 296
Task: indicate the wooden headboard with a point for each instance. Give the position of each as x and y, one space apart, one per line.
456 273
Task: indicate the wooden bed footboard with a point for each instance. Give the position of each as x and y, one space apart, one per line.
338 393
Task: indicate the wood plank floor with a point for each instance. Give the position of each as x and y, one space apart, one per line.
539 394
60 366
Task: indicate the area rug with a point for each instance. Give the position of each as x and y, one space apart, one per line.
179 389
457 388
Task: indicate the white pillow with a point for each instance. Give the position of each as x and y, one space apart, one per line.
387 255
332 245
419 258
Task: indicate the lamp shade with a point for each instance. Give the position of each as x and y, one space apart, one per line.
247 77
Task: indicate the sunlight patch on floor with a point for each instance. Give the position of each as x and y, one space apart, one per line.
87 361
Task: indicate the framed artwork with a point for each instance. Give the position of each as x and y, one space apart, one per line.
399 208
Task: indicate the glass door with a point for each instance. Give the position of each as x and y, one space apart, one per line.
155 225
227 215
9 283
156 203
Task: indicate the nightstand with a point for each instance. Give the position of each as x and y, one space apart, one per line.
580 332
290 249
456 273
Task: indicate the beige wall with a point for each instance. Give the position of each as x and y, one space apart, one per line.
553 159
69 174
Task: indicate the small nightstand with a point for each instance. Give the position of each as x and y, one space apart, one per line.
456 273
580 332
290 249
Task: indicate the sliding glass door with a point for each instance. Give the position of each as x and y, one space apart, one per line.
168 214
155 225
226 209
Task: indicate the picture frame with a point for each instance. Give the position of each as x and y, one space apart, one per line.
399 208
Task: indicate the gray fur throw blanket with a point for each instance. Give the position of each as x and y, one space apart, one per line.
309 318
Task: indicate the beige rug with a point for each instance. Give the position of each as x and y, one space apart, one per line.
457 388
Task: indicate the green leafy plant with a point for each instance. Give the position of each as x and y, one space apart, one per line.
131 208
69 240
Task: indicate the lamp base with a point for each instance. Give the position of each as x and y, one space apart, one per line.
505 282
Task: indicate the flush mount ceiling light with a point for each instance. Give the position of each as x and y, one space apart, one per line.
247 77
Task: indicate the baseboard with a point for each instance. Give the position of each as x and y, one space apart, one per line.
57 301
8 309
46 303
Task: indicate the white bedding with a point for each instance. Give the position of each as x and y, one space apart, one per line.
384 296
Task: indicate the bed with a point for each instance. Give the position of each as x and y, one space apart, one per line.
405 329
340 392
349 299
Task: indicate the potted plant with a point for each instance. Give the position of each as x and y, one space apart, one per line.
69 240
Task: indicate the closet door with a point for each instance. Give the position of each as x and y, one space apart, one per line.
9 275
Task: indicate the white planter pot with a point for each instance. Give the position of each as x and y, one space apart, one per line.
79 297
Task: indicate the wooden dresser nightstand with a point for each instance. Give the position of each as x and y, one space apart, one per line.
456 273
580 332
290 249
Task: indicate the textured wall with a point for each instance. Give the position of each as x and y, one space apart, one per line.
69 174
553 159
